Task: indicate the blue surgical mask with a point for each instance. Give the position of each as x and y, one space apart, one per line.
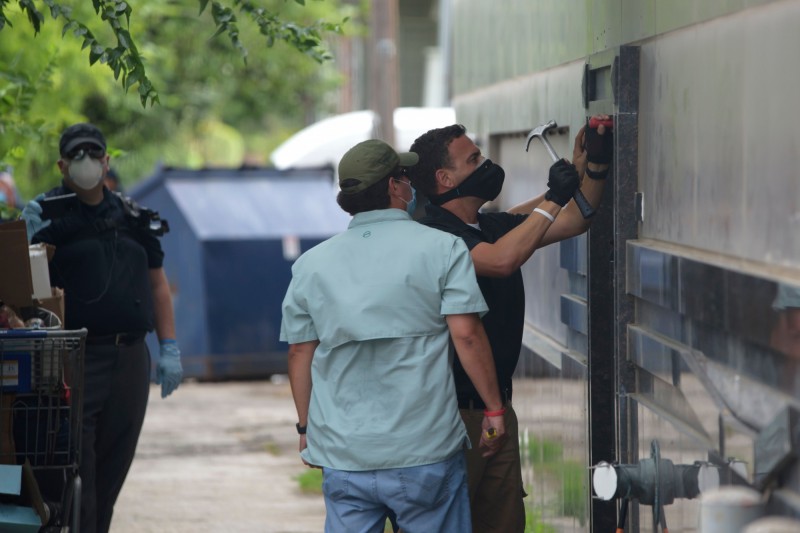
411 205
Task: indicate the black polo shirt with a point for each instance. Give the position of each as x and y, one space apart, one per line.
102 261
504 296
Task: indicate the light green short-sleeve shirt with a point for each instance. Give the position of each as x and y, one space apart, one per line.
376 297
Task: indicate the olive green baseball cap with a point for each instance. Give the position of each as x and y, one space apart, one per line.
369 162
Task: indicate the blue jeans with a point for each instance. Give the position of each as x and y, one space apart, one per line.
426 499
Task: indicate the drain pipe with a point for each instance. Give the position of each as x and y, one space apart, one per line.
654 481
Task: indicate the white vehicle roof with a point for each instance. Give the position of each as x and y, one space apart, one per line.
325 142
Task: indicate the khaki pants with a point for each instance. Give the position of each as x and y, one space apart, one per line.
495 483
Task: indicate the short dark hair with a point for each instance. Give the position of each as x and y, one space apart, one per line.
376 196
431 147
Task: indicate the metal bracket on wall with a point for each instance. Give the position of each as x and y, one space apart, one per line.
638 206
599 84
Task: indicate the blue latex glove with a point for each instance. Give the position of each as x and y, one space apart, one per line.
32 215
169 370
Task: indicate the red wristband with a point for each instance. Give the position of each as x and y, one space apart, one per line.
499 412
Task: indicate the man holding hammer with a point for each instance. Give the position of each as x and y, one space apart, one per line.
458 180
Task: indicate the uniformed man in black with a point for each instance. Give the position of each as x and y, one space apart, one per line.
458 180
108 260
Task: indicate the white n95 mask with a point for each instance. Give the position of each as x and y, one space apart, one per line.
86 172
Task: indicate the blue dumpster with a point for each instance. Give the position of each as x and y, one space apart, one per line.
234 234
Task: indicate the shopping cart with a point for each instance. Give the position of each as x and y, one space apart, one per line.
41 400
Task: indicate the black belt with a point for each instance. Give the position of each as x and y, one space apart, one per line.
116 339
468 401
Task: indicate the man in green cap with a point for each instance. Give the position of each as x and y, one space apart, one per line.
367 316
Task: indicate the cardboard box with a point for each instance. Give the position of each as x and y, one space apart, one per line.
54 304
16 285
16 282
26 511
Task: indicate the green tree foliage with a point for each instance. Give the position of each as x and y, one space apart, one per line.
124 58
212 81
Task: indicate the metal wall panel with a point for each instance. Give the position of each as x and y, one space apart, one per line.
496 41
709 362
516 106
718 142
715 367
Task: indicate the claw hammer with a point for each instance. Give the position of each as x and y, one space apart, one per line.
540 132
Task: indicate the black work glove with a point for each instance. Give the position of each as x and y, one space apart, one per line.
563 182
599 148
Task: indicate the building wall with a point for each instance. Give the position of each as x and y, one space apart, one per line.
717 142
697 364
522 37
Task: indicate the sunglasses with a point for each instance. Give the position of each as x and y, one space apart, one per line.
80 153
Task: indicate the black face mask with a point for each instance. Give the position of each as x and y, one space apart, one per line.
485 182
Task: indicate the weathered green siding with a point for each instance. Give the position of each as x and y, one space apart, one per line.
503 39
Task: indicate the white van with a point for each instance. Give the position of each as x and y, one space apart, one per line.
325 142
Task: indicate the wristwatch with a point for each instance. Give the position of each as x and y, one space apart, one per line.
301 430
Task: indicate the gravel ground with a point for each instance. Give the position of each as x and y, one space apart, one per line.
218 457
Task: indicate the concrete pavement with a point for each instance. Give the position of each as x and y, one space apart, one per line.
218 457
